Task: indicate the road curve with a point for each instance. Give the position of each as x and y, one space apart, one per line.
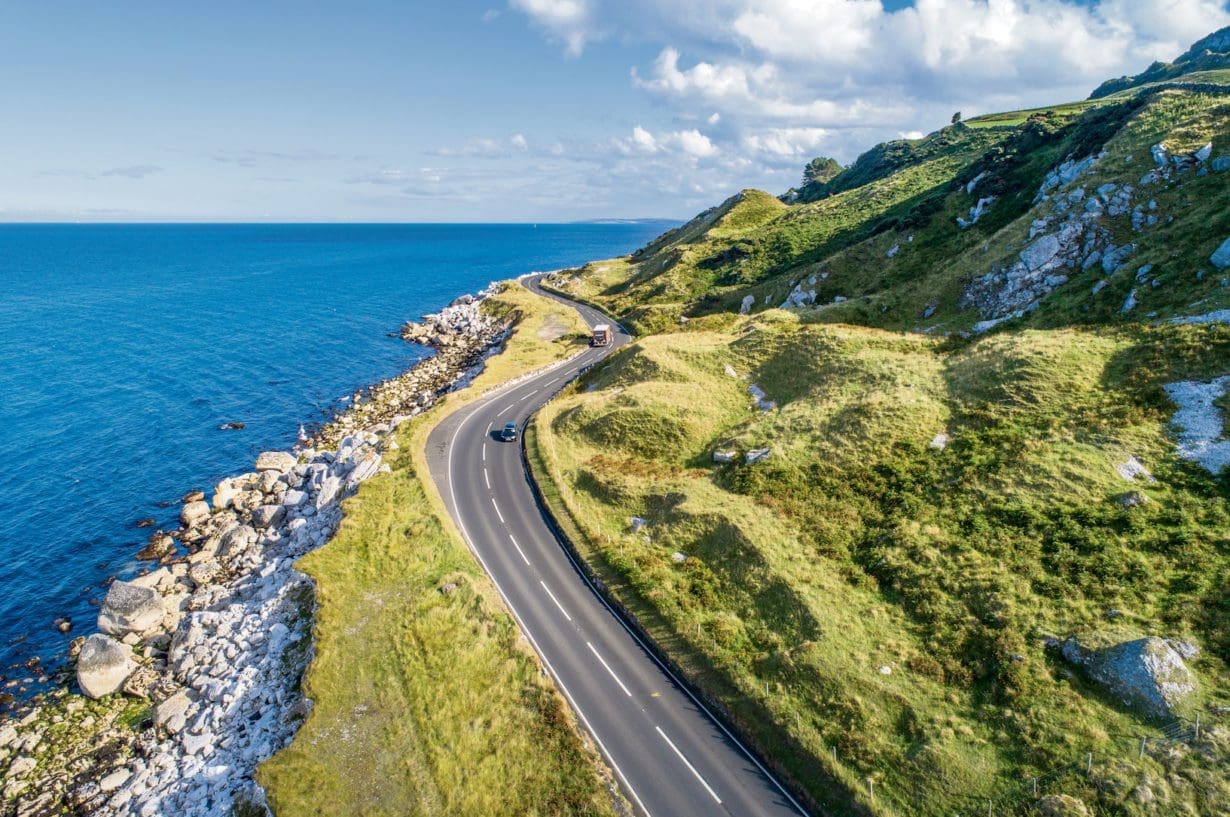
670 755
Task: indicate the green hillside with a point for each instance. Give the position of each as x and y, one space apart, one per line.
902 450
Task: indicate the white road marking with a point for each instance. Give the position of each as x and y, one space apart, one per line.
486 479
712 793
519 550
554 599
452 492
497 511
485 450
509 407
608 669
489 430
526 397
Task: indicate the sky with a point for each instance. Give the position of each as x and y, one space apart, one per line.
513 110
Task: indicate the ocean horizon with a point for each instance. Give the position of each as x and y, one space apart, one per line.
125 347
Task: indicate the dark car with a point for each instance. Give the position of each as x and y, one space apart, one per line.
509 434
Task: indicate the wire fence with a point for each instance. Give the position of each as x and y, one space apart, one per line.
1071 778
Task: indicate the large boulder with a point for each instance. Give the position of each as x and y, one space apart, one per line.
130 608
1039 253
103 665
194 513
275 461
1221 257
1146 673
268 516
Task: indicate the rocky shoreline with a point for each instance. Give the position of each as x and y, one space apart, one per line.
194 676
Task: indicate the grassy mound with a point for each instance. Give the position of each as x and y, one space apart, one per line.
865 593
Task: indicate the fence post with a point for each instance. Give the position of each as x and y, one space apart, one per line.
1035 788
988 808
871 788
1089 764
1197 726
1142 746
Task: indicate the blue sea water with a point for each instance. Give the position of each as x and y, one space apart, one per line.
124 347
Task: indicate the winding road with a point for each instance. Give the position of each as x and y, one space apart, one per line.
672 757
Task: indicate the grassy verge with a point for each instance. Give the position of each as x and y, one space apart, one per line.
869 609
426 699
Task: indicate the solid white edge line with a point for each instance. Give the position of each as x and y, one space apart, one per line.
554 599
519 550
608 669
686 691
486 478
692 768
695 700
497 511
452 446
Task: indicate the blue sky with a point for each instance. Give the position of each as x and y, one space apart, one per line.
512 110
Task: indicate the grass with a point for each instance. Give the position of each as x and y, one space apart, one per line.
857 547
426 699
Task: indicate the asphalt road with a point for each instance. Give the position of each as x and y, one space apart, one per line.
670 755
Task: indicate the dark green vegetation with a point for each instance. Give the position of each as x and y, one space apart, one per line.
871 603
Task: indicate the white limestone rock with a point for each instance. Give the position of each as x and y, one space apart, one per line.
103 665
130 608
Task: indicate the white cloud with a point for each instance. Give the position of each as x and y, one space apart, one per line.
518 141
133 171
785 142
566 20
695 143
644 140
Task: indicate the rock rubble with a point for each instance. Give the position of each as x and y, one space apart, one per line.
217 639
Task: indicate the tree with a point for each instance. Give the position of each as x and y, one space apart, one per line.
956 117
820 170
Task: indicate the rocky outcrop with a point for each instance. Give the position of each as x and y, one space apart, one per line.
1147 674
103 666
1066 241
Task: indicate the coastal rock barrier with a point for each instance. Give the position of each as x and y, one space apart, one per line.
209 648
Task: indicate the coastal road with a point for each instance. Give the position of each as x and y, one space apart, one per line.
672 757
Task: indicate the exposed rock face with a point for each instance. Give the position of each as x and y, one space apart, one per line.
746 306
130 608
103 666
1147 673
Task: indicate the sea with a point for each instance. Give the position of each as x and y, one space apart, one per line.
124 348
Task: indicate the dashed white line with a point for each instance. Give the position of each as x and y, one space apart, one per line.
526 397
486 478
508 408
608 669
519 550
554 599
692 768
489 425
485 449
497 511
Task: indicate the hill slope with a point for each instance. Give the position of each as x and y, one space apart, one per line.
914 456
